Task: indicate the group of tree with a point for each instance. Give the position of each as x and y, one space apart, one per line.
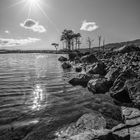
71 40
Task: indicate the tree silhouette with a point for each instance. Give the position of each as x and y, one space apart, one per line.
55 45
71 39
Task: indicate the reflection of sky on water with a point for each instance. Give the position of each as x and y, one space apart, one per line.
38 97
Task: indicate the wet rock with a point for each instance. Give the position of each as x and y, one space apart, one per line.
88 124
82 80
62 59
111 136
127 48
89 58
91 121
66 65
99 86
78 69
99 68
72 55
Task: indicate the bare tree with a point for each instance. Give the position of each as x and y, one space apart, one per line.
99 38
89 41
103 44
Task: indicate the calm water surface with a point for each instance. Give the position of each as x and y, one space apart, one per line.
33 87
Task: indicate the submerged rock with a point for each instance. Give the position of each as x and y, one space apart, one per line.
91 121
66 65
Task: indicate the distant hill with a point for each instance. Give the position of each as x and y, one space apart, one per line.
114 45
120 44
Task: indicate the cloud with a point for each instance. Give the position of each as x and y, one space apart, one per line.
33 25
7 32
89 26
17 42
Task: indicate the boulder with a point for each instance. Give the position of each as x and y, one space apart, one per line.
125 75
129 95
66 65
113 74
82 80
78 68
99 68
89 58
72 55
88 124
133 88
99 86
62 59
91 121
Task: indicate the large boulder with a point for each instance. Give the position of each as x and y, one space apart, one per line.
133 88
91 121
127 48
89 59
66 65
99 86
62 59
125 75
88 124
82 80
99 68
129 94
113 74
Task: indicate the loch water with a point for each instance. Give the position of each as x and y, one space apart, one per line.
34 87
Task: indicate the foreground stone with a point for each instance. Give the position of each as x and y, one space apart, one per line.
99 86
89 59
82 80
99 68
66 65
62 59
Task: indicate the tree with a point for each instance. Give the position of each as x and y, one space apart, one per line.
77 40
67 35
71 39
55 45
89 41
103 44
99 37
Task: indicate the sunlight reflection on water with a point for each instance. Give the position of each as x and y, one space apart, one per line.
37 97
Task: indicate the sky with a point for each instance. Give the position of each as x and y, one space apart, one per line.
35 24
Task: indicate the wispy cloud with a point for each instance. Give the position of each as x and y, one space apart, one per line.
33 25
7 32
17 42
89 26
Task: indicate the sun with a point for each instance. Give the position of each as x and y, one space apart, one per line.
33 2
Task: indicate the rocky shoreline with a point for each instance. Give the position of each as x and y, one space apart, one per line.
114 80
